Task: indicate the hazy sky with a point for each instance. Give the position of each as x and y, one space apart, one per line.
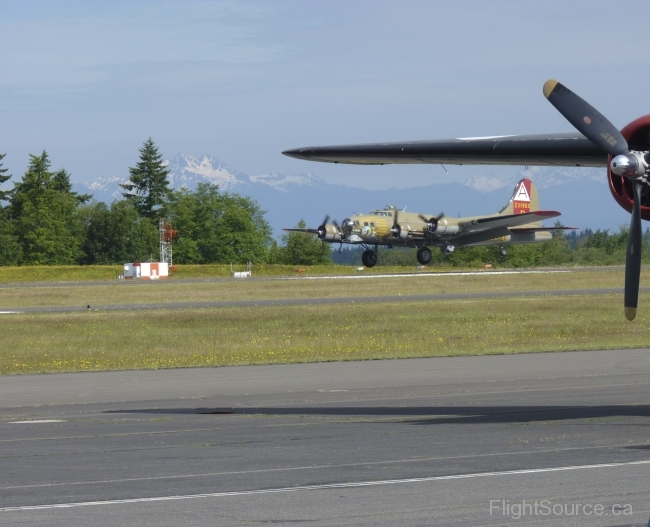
90 81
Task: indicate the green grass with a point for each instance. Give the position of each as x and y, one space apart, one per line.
126 292
78 273
61 273
283 334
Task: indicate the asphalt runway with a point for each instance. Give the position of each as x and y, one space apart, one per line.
316 301
443 441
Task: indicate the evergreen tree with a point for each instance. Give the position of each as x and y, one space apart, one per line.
10 250
148 186
61 183
4 177
45 220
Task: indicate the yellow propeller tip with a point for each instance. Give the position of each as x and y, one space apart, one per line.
549 86
630 313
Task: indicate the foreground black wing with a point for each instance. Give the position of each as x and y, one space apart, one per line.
570 149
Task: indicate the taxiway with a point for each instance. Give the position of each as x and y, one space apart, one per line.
408 442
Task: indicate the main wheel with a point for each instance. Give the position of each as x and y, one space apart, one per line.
424 255
369 258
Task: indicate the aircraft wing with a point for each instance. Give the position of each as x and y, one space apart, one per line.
509 221
567 149
310 231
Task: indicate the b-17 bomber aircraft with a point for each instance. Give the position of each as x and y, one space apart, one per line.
520 221
625 153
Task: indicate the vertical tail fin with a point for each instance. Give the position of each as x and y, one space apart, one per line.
524 199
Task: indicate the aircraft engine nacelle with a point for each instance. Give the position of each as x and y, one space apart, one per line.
442 226
637 134
329 233
399 232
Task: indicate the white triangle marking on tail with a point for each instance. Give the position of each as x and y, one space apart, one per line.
522 194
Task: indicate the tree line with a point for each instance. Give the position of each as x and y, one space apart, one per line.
44 222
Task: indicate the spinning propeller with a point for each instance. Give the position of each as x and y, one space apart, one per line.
322 229
397 230
633 165
432 223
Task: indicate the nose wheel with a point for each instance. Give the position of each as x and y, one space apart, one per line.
502 251
424 256
369 258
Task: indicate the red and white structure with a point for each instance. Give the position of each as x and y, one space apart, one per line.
146 270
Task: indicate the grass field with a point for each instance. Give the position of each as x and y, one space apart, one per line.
143 292
280 334
75 273
275 334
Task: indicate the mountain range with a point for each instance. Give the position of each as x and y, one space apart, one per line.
580 194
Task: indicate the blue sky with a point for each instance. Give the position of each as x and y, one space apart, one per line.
90 81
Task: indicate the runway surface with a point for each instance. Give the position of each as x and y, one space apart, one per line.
316 301
444 441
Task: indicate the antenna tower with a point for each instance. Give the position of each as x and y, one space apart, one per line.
167 235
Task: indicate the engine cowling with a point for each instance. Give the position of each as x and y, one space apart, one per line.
442 226
399 232
637 135
329 233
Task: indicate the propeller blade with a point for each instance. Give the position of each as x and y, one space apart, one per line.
633 259
585 118
322 229
433 221
395 229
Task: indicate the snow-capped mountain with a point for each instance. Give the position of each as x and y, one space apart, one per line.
485 183
581 194
543 177
284 183
187 171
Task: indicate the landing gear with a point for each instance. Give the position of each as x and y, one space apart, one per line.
424 255
369 258
448 249
502 251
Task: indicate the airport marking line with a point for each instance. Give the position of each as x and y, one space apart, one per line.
326 486
427 274
36 421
